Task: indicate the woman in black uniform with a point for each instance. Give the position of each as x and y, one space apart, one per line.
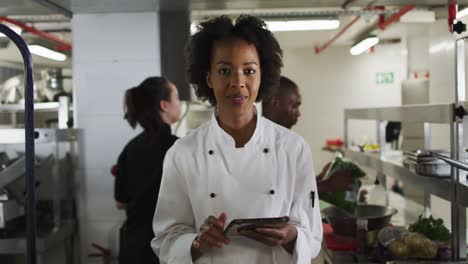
154 105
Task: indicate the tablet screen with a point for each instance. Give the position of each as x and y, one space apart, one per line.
247 223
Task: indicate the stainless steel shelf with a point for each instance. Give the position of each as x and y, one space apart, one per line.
43 135
38 107
437 186
442 113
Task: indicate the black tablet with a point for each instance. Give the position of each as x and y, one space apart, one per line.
248 223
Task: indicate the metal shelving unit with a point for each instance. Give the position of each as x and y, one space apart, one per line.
62 108
450 189
436 186
442 113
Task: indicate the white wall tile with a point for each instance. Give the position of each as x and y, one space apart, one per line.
100 86
111 53
335 80
118 36
418 53
99 192
104 138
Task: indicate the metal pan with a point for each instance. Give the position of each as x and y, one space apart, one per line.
434 169
344 223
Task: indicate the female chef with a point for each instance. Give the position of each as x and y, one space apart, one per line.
154 105
238 164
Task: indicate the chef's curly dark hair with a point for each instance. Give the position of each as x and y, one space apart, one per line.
249 28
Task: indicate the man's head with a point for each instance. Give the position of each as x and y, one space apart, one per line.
282 107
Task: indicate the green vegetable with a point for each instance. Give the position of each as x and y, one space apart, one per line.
341 164
339 198
433 229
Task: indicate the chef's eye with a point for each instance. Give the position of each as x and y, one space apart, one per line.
223 71
249 71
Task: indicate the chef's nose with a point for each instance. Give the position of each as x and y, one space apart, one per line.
237 79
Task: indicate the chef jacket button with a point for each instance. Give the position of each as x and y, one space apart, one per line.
272 192
210 152
265 150
212 195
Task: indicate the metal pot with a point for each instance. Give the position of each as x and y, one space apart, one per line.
344 223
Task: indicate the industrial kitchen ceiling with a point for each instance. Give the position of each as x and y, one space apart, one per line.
267 4
34 7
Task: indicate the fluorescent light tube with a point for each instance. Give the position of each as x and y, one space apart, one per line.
300 25
47 53
364 45
16 29
462 13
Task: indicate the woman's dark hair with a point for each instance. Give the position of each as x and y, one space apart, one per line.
249 28
142 104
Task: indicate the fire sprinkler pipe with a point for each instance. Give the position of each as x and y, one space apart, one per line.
452 13
62 44
395 17
383 24
319 49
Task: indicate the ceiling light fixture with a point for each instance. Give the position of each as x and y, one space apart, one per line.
462 13
364 45
301 25
47 53
16 29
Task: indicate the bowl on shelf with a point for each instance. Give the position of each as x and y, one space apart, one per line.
345 223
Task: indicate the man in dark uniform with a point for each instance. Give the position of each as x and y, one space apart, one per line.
283 108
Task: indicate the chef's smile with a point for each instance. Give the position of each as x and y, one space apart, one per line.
237 98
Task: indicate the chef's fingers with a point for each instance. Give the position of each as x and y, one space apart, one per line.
275 233
215 222
206 239
200 246
218 235
207 220
270 241
222 217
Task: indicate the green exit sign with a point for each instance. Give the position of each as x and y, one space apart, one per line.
384 78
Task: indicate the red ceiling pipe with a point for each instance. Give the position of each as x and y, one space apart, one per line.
452 13
319 49
381 16
395 17
62 45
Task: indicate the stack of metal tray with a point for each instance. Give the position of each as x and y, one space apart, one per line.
421 162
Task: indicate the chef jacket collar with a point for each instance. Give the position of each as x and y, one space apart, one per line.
225 138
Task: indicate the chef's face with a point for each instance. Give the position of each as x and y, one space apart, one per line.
289 106
173 107
234 75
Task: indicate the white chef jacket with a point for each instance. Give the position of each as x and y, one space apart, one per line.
205 174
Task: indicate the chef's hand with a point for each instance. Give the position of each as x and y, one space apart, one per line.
120 205
211 236
324 171
274 235
339 181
